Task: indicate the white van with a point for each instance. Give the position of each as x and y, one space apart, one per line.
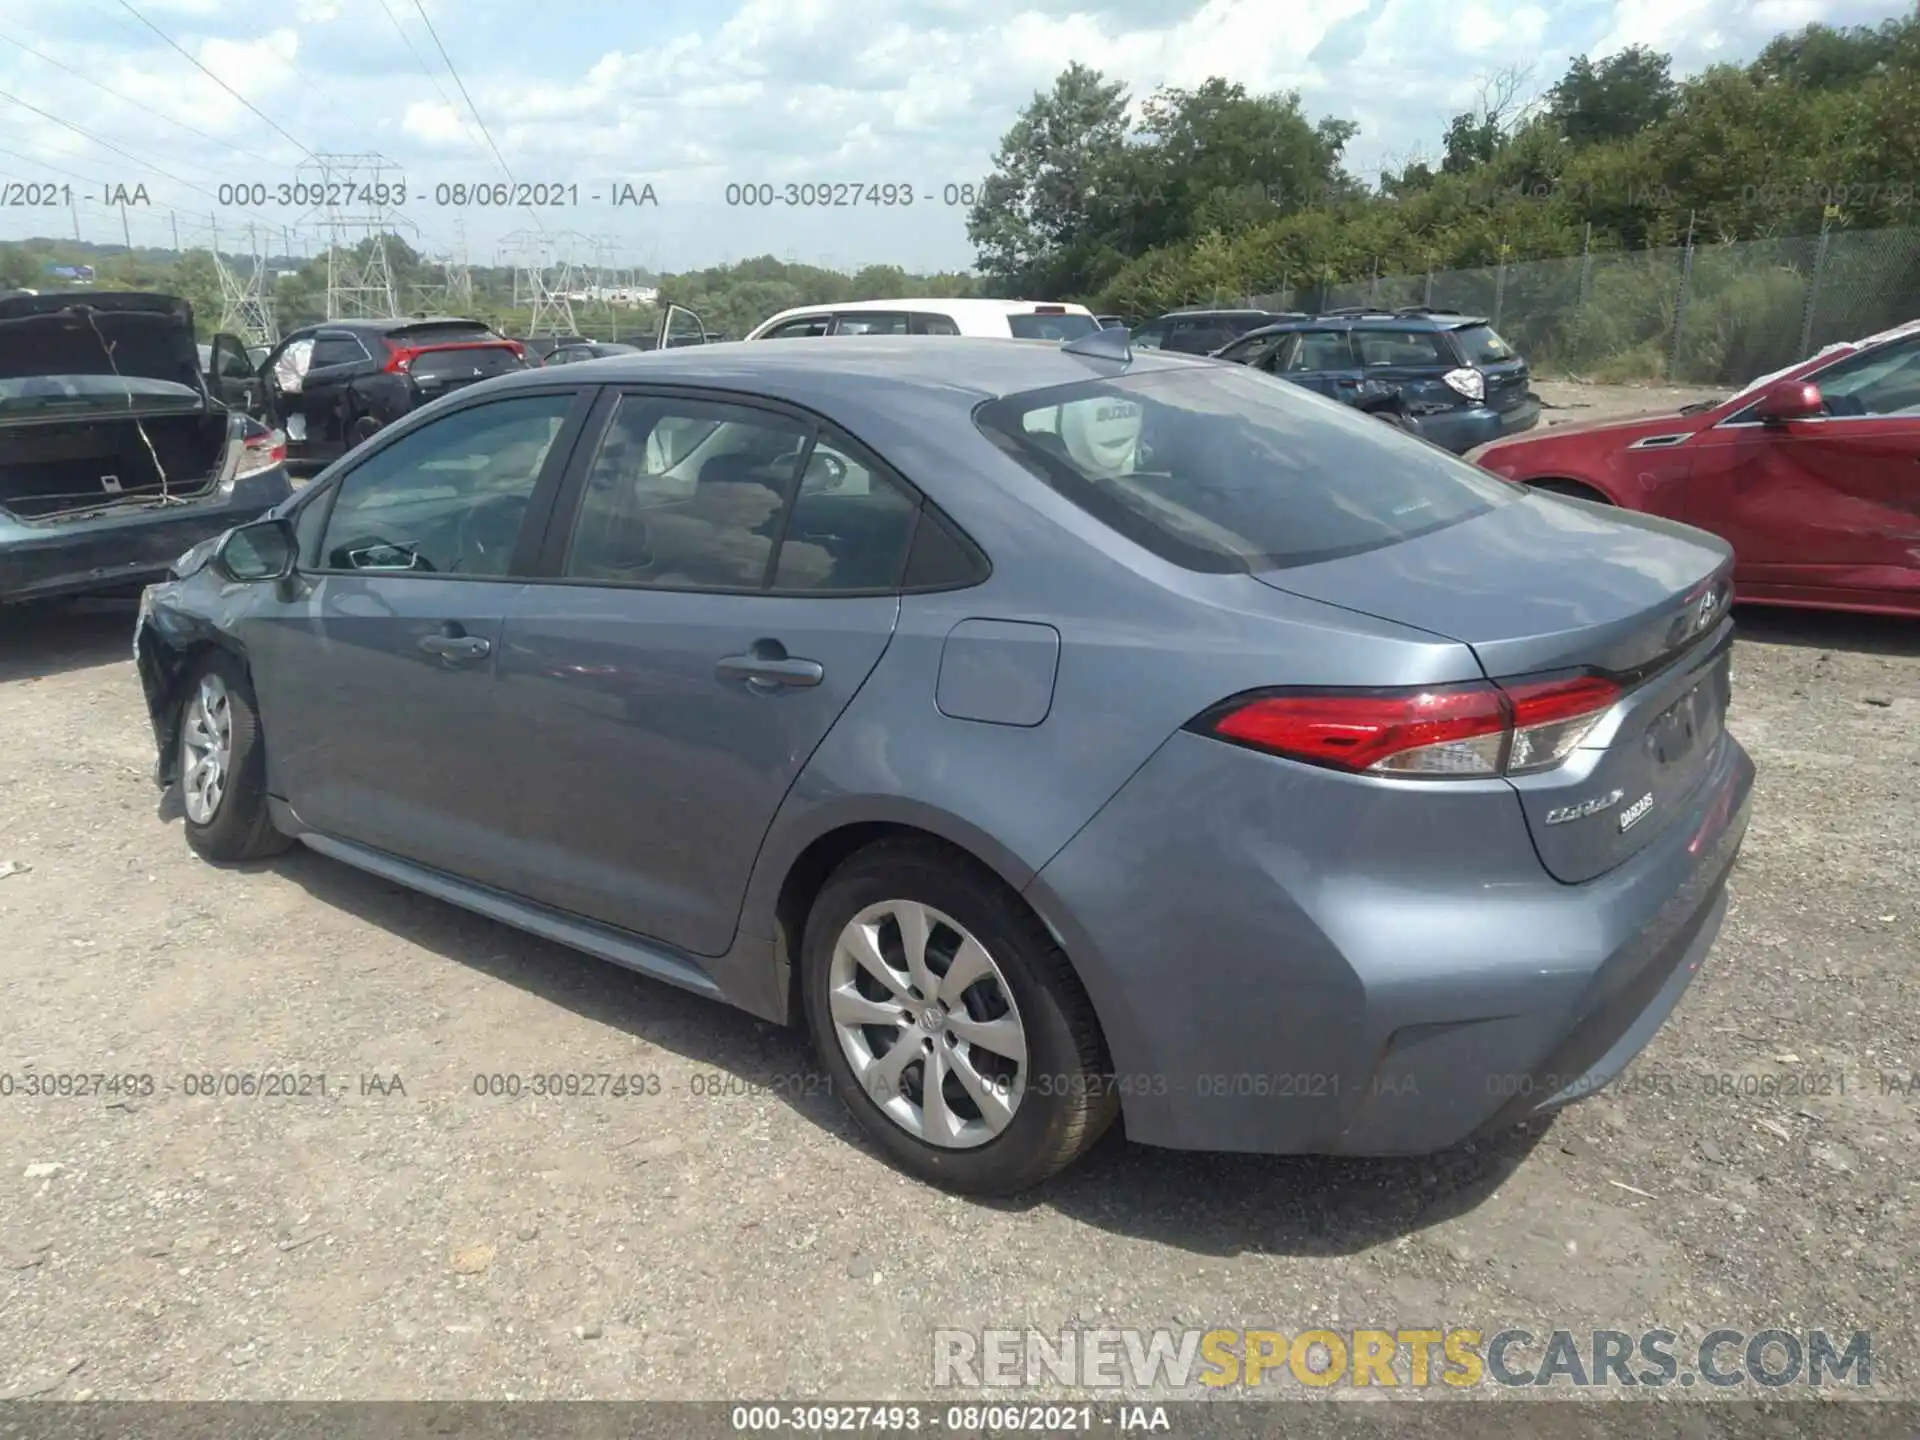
1003 319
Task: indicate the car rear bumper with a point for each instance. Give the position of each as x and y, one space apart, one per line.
1293 968
1476 425
127 548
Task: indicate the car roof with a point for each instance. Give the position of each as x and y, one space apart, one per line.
1431 323
841 375
949 305
1209 310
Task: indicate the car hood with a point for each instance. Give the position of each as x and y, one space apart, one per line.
111 333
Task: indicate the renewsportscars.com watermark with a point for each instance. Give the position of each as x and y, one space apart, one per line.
1133 1361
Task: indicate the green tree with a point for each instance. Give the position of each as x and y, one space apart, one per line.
1031 225
1621 96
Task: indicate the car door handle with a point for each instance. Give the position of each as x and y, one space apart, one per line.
455 647
767 667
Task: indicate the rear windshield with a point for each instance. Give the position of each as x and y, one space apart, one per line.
1221 469
457 333
467 364
1481 346
1051 327
53 394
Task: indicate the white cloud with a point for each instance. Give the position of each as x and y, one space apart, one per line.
858 90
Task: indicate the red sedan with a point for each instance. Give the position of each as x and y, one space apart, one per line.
1812 474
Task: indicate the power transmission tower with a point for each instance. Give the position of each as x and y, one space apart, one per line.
246 310
534 264
356 196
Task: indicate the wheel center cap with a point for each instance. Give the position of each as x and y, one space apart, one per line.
933 1019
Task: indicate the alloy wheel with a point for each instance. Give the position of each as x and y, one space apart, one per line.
206 744
928 1022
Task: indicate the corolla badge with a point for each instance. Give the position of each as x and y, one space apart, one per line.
1560 815
1630 816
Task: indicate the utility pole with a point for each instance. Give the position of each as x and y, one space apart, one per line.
126 233
174 221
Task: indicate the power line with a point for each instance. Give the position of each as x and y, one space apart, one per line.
447 60
109 145
128 100
216 79
420 60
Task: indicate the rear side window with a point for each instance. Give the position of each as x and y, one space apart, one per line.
927 323
1218 469
870 324
336 350
1319 350
1481 346
1400 347
1050 327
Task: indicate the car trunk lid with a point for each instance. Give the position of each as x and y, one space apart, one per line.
1543 587
111 333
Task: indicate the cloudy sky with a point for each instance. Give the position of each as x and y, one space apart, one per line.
692 97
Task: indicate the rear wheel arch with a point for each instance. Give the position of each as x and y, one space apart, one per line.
810 870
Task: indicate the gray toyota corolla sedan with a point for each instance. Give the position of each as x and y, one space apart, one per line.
1060 734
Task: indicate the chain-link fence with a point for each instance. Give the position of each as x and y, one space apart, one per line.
1705 314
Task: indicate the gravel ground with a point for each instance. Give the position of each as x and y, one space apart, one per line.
403 1237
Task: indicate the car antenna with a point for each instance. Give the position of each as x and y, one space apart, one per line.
1104 344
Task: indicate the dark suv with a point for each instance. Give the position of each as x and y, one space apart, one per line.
1201 332
1459 384
331 386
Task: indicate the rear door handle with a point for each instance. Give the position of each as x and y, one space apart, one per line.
767 667
456 647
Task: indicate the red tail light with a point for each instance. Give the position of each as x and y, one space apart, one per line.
403 357
1447 731
519 350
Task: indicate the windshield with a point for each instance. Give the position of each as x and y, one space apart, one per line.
1220 469
1051 327
42 393
1482 346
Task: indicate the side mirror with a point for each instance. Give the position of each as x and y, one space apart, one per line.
1791 400
264 550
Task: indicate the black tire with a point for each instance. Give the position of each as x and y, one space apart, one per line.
1067 1104
239 828
1572 489
363 430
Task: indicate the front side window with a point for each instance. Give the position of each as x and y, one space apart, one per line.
448 498
1881 382
1219 469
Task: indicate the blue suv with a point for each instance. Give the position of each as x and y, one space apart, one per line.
1458 383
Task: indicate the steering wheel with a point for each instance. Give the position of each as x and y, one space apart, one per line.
487 533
